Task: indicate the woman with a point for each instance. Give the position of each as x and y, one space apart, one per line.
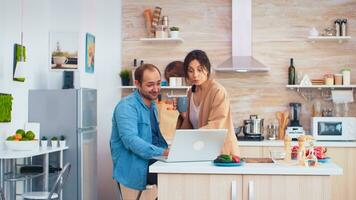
208 103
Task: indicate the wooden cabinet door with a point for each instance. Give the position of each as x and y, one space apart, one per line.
251 152
341 186
278 187
199 187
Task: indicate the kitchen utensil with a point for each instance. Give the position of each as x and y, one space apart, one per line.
253 126
148 21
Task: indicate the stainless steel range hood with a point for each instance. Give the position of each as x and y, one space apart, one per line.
241 60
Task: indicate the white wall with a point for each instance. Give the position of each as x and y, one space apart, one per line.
101 18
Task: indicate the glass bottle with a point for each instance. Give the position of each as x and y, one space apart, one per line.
291 73
311 160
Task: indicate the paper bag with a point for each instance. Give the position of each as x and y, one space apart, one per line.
167 117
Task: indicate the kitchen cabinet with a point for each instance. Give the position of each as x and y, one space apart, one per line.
251 151
246 187
342 186
341 153
199 186
203 180
262 187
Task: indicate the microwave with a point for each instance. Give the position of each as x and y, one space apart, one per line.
334 128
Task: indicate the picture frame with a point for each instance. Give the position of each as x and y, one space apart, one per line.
63 51
89 53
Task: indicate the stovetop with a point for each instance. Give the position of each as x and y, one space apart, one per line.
249 138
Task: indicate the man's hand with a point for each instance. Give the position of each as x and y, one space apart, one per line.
166 152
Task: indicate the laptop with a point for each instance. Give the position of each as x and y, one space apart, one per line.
195 145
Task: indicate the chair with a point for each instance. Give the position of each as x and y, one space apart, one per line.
148 187
56 188
2 195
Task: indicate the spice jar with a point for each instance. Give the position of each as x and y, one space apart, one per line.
346 75
338 79
329 79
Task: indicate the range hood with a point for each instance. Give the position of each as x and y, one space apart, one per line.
241 60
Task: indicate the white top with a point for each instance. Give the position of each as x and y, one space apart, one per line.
10 154
280 143
249 168
194 113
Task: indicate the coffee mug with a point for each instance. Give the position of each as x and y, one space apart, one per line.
172 81
182 104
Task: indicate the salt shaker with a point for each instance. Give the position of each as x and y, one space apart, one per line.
338 27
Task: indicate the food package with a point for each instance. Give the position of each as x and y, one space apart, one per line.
167 117
156 17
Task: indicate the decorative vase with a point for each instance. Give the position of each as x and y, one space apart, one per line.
125 81
44 144
62 143
174 34
54 143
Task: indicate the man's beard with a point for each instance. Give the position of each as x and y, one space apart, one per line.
147 96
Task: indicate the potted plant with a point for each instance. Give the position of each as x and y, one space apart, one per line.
54 141
174 32
125 77
44 142
62 141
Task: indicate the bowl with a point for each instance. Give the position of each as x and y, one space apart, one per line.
22 145
277 155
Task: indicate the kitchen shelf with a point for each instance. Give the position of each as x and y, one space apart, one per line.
162 40
320 86
306 90
162 87
340 39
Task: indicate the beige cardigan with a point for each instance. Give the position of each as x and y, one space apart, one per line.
214 113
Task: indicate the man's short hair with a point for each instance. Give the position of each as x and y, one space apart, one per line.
141 69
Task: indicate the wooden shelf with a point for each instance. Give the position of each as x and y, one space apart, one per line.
162 87
162 40
340 39
320 86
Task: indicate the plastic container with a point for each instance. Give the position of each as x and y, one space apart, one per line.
338 79
346 76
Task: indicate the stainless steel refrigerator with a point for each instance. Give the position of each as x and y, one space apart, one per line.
72 113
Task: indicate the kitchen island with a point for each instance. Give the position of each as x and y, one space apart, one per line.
203 180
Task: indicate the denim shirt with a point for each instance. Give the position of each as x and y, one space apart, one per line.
131 141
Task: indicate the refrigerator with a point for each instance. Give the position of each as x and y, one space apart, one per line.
72 113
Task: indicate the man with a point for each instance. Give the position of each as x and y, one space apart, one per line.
135 137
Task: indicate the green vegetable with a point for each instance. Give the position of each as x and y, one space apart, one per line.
223 159
54 138
44 138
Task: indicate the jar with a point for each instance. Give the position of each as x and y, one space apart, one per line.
346 75
338 79
329 79
161 32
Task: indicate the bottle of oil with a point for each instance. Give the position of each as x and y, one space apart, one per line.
291 73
